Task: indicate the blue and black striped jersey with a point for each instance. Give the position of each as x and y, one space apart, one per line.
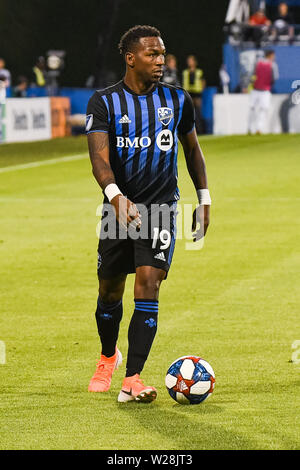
143 137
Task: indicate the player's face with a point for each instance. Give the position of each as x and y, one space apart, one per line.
149 59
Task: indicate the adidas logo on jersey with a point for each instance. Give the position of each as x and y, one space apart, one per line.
160 256
125 120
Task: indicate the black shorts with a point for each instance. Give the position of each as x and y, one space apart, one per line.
121 253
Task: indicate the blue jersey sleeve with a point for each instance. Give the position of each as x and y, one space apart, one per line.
97 119
187 122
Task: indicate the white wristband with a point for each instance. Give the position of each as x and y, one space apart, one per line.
204 197
111 191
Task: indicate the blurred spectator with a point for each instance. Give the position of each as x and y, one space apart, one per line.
20 90
90 81
2 101
238 11
283 23
224 78
266 72
194 83
259 19
5 74
170 74
257 27
39 73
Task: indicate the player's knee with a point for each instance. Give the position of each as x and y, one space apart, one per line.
110 294
148 288
109 297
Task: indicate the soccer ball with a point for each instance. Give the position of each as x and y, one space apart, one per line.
190 380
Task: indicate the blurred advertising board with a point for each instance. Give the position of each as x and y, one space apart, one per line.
231 114
28 119
2 111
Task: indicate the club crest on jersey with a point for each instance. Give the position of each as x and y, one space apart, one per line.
165 115
89 122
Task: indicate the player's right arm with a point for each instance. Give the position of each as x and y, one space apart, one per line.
99 154
98 143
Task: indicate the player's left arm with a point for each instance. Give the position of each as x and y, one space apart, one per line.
196 166
197 170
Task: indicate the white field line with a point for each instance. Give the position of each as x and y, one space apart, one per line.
240 199
183 200
39 163
46 199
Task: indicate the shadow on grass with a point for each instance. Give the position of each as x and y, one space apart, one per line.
185 427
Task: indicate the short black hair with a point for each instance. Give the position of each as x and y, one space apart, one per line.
134 34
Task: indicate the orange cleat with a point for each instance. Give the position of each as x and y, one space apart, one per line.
134 389
101 380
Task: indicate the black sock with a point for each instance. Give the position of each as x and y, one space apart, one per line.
141 333
108 317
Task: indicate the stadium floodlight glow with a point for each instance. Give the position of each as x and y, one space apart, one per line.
55 60
55 64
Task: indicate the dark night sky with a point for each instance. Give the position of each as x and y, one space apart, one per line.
30 28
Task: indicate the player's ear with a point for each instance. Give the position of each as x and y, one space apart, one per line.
130 59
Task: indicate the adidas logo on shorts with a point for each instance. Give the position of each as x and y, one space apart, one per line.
160 256
125 120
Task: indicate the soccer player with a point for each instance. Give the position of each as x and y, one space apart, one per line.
132 130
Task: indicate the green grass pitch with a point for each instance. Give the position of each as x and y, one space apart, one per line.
235 303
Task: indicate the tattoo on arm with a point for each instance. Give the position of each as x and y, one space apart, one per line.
97 143
99 155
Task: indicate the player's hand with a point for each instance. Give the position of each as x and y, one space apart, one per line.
127 213
200 216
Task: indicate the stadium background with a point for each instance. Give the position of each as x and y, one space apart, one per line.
235 303
89 37
77 27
